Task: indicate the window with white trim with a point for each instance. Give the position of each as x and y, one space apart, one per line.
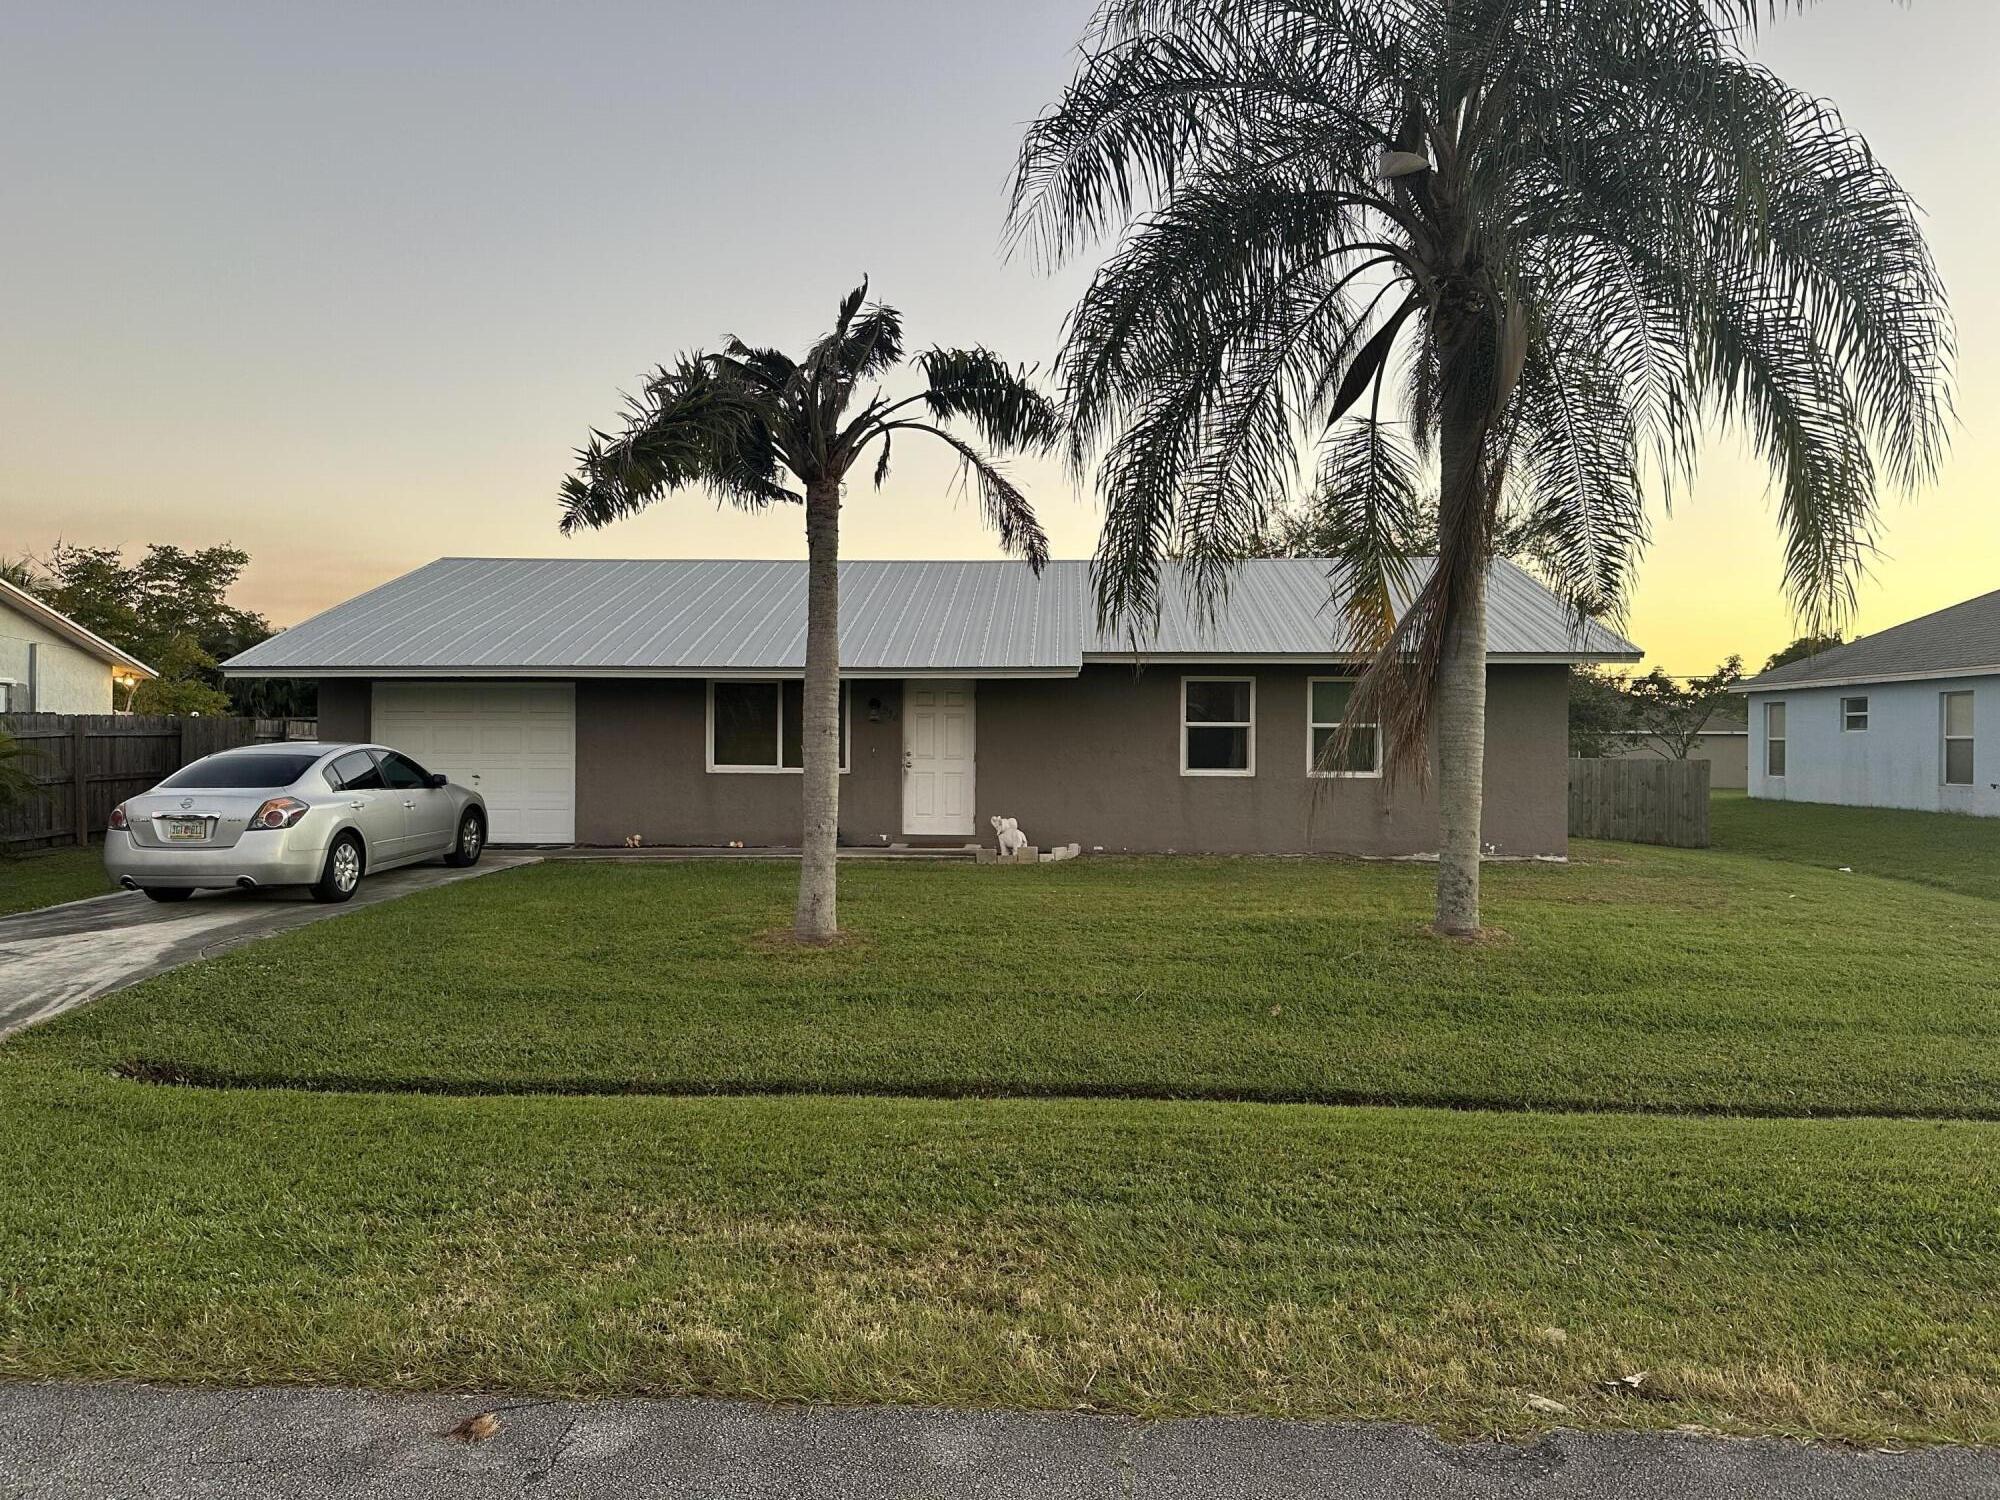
758 724
6 696
1853 715
1218 715
1327 699
1955 712
1774 739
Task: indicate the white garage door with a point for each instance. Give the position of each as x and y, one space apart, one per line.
512 742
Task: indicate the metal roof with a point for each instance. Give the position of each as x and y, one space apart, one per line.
569 617
1962 641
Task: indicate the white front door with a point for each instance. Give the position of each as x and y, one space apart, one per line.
512 742
937 757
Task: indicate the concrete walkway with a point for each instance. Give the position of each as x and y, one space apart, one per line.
55 959
88 1442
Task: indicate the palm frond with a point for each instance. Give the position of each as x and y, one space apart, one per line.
1000 402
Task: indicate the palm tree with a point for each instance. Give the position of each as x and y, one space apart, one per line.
742 422
1501 263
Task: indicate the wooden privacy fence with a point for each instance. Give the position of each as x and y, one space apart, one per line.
1640 801
83 765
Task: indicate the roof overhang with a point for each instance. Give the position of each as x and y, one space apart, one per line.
664 674
58 623
1324 658
1936 674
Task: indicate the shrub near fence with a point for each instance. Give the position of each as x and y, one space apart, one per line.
1640 801
83 765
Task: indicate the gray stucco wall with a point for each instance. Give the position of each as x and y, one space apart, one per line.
1896 762
641 767
1097 761
1094 760
345 708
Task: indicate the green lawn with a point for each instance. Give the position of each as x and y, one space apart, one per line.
1645 979
1179 1252
1832 1277
1945 850
28 881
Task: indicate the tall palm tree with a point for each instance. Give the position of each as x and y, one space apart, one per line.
741 422
1500 263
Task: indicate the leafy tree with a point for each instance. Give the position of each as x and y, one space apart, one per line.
1488 268
1803 647
171 610
181 687
1600 715
1672 712
742 422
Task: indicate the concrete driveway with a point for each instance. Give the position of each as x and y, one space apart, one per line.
55 959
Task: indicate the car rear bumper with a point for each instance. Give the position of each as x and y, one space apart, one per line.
258 858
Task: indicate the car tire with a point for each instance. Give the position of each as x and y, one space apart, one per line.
167 892
471 841
340 876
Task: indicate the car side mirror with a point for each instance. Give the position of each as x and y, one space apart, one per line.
439 779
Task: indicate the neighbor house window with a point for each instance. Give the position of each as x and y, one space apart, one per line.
1327 701
1216 718
1774 739
760 726
1957 738
1853 714
6 697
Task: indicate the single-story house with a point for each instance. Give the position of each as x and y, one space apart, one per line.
49 664
594 700
1724 742
1909 717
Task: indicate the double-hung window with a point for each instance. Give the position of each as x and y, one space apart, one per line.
1328 699
760 725
1217 718
1774 739
1956 713
1853 715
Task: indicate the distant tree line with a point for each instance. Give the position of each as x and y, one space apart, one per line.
1611 711
170 608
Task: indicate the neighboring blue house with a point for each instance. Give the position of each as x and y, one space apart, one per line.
1909 717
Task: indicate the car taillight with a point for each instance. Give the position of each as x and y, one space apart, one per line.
117 818
279 812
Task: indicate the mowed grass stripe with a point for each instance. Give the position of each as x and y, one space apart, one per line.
1825 1278
1636 979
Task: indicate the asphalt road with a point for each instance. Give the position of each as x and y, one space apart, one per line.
57 958
91 1442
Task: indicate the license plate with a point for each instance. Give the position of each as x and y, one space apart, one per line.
182 830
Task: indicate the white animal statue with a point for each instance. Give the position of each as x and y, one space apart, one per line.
1008 831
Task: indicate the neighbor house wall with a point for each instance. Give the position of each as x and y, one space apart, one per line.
346 708
1728 757
67 679
1096 761
1896 762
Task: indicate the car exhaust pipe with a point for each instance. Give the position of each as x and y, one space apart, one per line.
245 883
129 883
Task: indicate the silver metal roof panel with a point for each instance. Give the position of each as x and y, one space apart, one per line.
612 617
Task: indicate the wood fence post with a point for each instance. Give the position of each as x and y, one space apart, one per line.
79 780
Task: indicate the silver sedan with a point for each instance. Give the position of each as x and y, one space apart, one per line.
313 815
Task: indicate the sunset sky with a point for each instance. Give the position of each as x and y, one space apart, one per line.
345 284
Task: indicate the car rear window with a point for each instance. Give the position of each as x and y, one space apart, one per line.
265 769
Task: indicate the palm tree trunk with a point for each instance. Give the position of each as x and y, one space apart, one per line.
1461 743
1460 707
817 917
